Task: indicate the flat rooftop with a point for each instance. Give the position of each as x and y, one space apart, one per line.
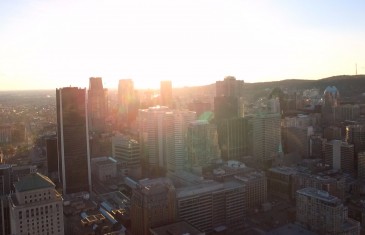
284 170
320 194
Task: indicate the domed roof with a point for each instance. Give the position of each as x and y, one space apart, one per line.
331 90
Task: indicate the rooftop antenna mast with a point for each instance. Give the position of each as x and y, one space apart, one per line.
356 68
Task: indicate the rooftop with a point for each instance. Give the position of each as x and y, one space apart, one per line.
33 181
284 170
290 229
320 194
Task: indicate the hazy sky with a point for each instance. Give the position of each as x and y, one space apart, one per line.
56 43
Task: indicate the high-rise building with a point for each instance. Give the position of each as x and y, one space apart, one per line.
323 213
152 205
36 207
166 93
235 138
330 102
229 87
226 107
355 134
266 136
73 140
346 112
163 136
202 144
127 102
97 104
340 155
127 151
228 111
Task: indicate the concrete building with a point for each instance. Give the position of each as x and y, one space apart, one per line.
97 105
152 205
202 144
73 140
346 112
266 137
36 207
256 189
104 168
212 206
340 155
280 182
321 212
127 151
163 136
334 184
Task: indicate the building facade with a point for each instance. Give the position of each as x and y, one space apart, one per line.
97 105
202 144
36 207
152 205
73 140
321 212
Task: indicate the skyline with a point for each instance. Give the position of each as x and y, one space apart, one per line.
62 43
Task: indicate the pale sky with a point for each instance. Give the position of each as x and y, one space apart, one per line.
45 44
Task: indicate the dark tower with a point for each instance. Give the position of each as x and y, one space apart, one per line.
97 104
73 144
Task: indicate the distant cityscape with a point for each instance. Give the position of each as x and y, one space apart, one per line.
284 157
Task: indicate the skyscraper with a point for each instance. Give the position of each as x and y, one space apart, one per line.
228 100
97 104
166 93
73 140
235 138
163 136
229 87
266 136
202 144
127 102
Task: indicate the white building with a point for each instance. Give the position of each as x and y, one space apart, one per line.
36 207
162 133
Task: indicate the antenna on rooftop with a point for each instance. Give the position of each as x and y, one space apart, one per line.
356 68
